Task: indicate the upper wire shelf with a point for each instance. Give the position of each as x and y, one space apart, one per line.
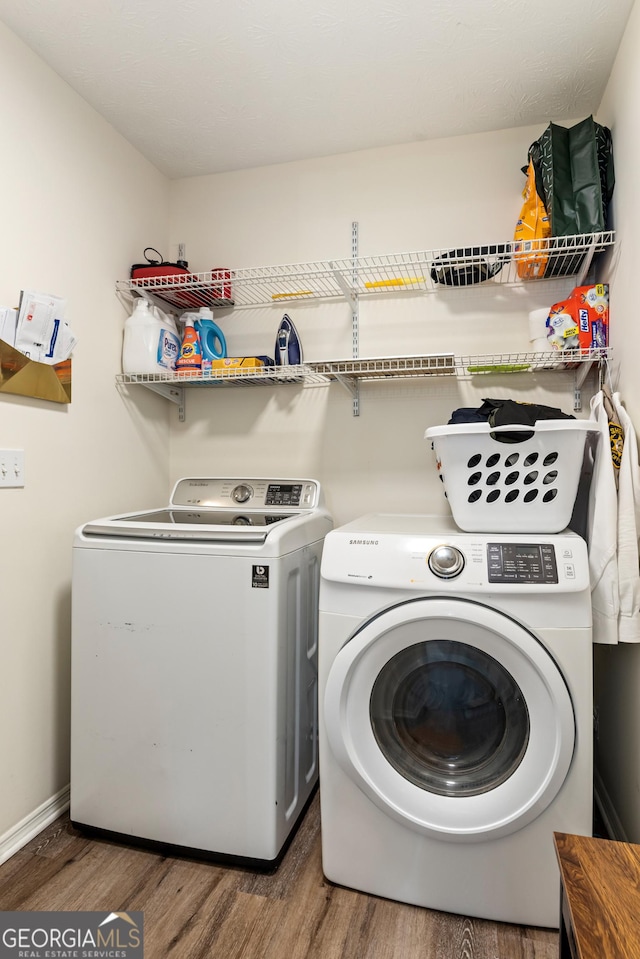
400 274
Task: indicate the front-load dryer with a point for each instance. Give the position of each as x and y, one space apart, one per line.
455 688
194 668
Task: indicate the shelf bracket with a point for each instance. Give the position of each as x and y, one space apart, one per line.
356 399
351 386
349 293
588 259
579 377
175 394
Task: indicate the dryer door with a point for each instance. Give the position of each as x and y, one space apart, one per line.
451 717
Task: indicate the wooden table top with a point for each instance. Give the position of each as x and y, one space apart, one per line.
601 884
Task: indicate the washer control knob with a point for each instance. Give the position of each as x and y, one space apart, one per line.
241 493
446 562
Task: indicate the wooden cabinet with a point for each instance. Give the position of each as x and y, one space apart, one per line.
600 898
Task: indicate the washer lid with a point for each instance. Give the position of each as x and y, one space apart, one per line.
217 509
451 717
189 524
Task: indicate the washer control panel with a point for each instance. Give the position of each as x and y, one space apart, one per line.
522 563
284 494
251 493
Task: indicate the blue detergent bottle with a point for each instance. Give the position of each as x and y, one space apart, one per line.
212 341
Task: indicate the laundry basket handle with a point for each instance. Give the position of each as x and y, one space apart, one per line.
512 433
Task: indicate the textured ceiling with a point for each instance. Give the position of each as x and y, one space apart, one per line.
204 86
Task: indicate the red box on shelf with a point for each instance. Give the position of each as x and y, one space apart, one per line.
221 282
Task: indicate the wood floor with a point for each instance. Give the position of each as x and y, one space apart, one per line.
195 909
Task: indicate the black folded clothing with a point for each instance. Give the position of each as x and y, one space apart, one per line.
508 413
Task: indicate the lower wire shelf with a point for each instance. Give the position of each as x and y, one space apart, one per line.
350 372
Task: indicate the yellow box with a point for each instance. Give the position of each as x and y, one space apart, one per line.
231 362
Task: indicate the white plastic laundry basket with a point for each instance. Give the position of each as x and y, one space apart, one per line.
500 486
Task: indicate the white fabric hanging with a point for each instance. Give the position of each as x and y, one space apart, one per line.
602 534
613 530
628 531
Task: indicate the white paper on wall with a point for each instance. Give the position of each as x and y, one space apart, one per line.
8 321
42 333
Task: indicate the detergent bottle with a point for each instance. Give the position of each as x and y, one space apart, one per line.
151 342
169 350
212 341
190 357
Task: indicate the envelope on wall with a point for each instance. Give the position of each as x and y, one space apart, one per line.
25 377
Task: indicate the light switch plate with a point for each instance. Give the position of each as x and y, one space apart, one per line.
11 468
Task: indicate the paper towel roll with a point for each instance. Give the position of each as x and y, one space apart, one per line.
537 324
542 345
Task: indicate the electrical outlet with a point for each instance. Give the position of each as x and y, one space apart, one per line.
11 468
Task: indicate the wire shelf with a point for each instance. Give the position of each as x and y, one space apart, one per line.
324 371
440 364
229 376
401 274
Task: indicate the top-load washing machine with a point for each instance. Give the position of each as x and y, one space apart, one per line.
455 713
194 667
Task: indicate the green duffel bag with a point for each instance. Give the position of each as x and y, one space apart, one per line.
574 179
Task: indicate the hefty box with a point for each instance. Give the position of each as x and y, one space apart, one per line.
591 310
581 322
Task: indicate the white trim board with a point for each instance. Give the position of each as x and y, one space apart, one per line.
23 832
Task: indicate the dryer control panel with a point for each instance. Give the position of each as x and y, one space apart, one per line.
521 563
420 552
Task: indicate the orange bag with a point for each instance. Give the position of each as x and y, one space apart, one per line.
532 231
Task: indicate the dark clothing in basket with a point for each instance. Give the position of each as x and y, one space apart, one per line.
508 412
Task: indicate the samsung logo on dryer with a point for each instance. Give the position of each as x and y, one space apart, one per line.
364 542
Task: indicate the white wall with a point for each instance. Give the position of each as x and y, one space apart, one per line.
618 667
443 194
78 206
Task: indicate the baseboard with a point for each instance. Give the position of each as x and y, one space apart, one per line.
23 832
608 812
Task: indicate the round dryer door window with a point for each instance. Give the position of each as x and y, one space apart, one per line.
451 717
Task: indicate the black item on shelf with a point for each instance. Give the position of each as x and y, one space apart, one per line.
470 265
161 267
